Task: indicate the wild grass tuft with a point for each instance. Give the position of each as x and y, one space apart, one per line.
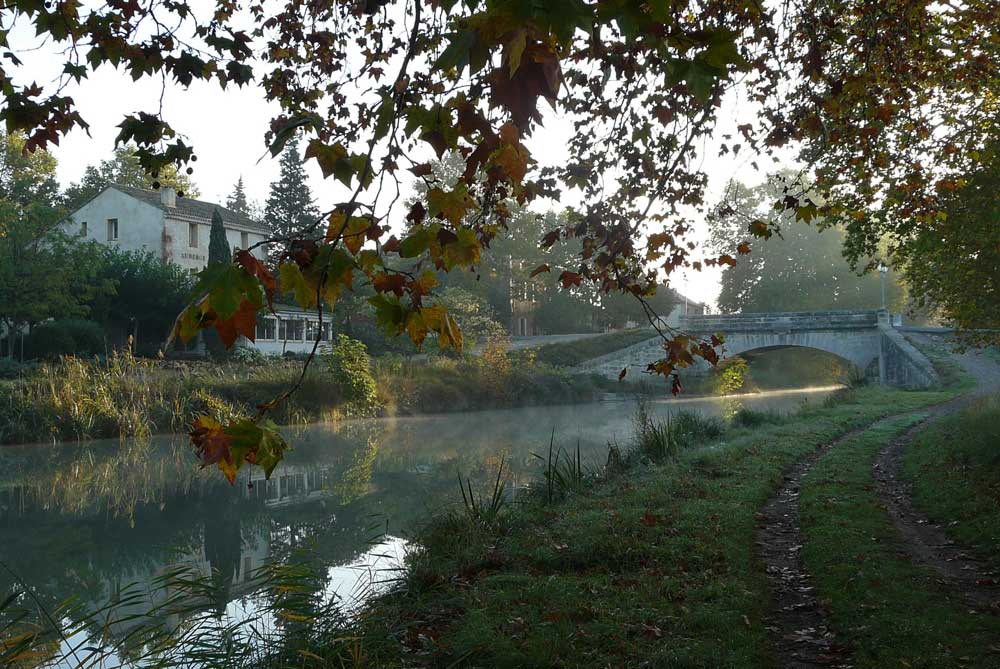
564 471
659 440
479 509
746 417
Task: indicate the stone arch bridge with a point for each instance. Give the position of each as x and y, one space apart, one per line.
866 339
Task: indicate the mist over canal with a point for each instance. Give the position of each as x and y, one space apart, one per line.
85 520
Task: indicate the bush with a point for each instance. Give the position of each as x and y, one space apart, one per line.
351 369
68 336
11 369
247 355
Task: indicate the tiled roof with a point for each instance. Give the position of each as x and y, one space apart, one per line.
195 208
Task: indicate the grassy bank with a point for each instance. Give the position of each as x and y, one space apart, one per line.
887 610
954 470
126 396
570 353
647 562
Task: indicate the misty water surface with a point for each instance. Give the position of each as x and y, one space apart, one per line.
86 519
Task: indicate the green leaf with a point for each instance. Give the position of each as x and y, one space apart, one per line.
293 280
416 243
389 313
456 54
383 119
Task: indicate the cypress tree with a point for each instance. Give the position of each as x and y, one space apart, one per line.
218 252
237 200
290 207
218 246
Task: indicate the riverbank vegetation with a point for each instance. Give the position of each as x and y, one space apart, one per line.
652 559
123 395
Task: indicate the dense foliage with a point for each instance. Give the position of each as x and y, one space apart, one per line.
954 264
218 245
803 269
123 168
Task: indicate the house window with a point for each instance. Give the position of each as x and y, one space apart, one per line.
83 229
266 329
327 332
290 330
312 329
244 240
193 235
112 229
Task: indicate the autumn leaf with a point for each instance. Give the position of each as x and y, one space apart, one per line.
240 442
351 231
292 280
450 205
243 322
538 270
568 279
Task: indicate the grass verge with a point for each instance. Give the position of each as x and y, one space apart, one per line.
887 610
568 354
653 565
954 470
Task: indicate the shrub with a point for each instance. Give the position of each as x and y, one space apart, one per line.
11 368
732 375
247 355
67 336
351 369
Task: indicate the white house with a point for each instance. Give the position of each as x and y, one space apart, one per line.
177 229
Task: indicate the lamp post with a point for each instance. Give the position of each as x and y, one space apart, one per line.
883 270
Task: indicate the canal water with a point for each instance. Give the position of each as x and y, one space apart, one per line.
87 522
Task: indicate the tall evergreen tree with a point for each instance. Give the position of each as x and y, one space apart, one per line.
218 246
290 207
237 200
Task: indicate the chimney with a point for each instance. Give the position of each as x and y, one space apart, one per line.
168 196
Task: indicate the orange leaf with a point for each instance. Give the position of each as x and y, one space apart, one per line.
255 267
243 322
570 279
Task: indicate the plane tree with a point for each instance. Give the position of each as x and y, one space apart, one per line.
885 106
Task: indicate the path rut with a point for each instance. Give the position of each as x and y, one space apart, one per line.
799 634
926 542
800 637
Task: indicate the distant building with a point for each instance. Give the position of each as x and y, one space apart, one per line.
174 228
177 229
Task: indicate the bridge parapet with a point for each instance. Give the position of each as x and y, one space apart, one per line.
782 322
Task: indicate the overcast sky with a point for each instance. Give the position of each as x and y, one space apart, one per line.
227 128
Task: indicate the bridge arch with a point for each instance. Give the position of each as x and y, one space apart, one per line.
860 350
